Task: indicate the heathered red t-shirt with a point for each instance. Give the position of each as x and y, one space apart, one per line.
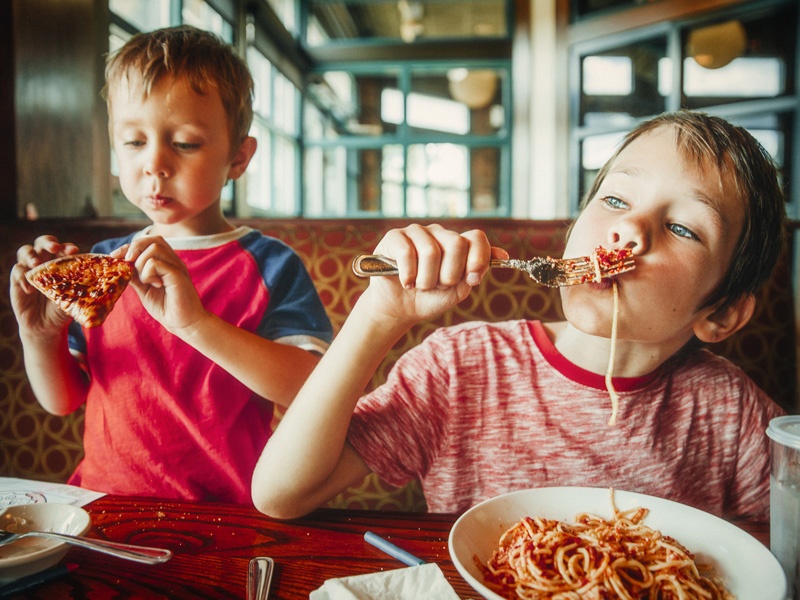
481 409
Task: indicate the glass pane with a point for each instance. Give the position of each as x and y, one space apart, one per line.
116 38
460 101
623 84
770 129
485 180
354 104
733 60
325 182
438 177
285 165
595 151
338 181
406 20
393 173
202 16
145 15
261 70
286 98
226 197
285 9
259 172
773 130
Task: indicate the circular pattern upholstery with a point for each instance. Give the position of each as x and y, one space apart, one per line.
37 445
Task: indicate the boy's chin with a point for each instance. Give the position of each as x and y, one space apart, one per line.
588 317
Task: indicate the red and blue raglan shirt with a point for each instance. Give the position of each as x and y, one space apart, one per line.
163 420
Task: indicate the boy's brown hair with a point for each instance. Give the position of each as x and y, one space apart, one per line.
731 150
200 58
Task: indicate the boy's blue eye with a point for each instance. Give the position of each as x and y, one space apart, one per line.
133 143
614 202
186 146
682 231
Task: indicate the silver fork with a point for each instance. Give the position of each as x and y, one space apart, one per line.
142 554
552 272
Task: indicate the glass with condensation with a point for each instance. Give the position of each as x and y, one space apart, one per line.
784 497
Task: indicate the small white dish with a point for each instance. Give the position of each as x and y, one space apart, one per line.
747 567
32 554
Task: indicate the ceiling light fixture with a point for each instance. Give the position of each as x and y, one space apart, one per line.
411 14
474 87
715 46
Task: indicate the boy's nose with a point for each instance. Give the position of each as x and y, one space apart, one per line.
157 163
628 233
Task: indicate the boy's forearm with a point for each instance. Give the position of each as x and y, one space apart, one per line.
272 370
55 377
304 463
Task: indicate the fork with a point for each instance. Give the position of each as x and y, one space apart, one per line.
552 272
142 554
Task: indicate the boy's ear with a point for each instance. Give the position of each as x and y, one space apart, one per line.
717 323
242 157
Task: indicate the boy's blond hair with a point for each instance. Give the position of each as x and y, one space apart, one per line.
200 58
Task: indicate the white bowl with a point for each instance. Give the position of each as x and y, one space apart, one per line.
747 567
33 554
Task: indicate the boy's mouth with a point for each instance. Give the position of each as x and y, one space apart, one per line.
157 200
604 284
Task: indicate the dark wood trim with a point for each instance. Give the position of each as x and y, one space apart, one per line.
8 150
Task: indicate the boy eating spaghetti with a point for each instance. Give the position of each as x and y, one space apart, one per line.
219 323
481 409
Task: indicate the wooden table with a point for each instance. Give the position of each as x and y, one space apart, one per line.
213 544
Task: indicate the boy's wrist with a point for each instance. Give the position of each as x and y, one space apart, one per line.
372 317
45 338
196 330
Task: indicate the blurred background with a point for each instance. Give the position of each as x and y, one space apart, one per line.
402 108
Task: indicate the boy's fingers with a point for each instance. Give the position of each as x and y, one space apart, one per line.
18 277
120 252
432 256
428 247
479 256
50 244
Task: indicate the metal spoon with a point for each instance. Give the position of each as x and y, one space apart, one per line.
259 577
142 554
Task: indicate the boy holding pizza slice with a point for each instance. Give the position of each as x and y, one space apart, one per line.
481 409
218 324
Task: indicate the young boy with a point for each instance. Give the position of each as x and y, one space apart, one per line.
219 324
481 409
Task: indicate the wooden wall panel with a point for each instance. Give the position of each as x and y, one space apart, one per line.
58 53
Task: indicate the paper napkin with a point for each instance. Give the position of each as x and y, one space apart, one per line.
425 582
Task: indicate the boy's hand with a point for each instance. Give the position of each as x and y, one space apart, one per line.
35 313
438 269
162 282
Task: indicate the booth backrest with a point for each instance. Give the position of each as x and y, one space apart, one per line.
37 445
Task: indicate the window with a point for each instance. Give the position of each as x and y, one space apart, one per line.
143 15
271 178
417 141
418 136
391 131
738 64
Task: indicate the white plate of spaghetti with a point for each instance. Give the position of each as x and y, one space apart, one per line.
566 542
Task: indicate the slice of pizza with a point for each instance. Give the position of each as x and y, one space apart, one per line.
85 286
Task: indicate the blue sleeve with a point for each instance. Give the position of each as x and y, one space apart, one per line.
77 341
295 307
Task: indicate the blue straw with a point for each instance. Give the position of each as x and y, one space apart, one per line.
392 550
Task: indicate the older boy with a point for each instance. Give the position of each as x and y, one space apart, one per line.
481 409
220 323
